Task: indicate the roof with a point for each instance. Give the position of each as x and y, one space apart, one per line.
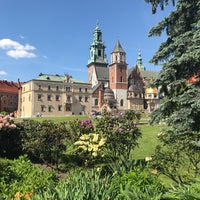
8 87
150 74
57 78
102 73
118 48
145 73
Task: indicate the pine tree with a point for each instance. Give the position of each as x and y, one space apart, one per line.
179 56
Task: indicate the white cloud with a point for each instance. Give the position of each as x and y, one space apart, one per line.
16 50
3 73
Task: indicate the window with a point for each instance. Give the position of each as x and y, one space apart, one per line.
59 108
68 89
121 79
39 97
121 102
49 87
80 89
57 97
68 98
23 99
99 52
48 97
86 99
68 107
57 88
80 98
42 108
39 87
50 108
96 102
29 97
86 90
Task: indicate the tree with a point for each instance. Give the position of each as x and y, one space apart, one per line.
179 56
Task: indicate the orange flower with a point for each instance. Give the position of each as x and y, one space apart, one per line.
27 195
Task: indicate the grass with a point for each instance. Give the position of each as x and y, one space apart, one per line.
55 119
148 142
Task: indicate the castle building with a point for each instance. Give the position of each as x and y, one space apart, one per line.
8 96
54 95
114 85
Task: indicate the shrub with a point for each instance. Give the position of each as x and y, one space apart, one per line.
10 137
136 184
89 146
45 140
22 177
79 127
80 184
121 133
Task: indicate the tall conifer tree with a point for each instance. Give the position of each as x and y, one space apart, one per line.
179 56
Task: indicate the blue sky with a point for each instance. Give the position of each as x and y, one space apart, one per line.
54 36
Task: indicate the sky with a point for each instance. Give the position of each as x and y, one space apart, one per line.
54 36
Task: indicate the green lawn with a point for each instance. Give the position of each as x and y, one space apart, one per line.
148 141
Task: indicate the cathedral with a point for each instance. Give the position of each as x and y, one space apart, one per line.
114 85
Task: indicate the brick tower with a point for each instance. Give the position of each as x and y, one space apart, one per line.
118 76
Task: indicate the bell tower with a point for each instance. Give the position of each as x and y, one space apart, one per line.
118 75
97 60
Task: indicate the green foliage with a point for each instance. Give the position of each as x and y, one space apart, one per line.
80 184
136 184
184 192
79 127
10 137
21 176
45 141
121 132
179 157
161 3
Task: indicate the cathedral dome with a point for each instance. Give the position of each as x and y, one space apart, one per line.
151 90
108 94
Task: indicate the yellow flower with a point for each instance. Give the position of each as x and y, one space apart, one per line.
85 137
94 154
79 142
84 148
148 159
95 137
154 171
95 147
102 141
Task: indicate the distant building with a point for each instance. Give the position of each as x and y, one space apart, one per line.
114 86
54 95
8 96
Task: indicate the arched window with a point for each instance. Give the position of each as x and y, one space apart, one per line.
121 102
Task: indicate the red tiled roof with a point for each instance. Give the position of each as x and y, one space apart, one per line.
8 87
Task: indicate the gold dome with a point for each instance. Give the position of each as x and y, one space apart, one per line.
151 90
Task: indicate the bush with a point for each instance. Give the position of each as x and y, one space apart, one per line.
80 184
136 184
10 137
121 133
45 140
23 178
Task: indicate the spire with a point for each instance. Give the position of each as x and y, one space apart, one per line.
139 62
97 48
118 48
